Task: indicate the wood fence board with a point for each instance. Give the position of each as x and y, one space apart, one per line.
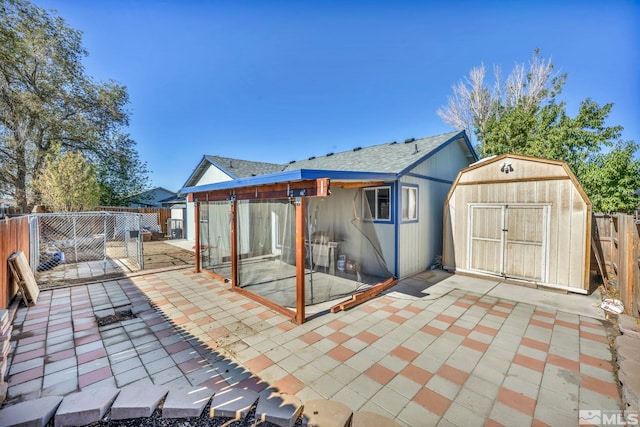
619 239
14 236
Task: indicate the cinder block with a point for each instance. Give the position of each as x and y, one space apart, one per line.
85 407
280 409
138 400
233 403
326 413
30 413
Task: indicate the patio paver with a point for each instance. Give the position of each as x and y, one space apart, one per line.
471 347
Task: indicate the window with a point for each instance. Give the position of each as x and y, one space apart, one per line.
379 203
409 203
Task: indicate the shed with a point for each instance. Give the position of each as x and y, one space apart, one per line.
520 218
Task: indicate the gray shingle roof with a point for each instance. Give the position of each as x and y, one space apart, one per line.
383 158
387 158
244 168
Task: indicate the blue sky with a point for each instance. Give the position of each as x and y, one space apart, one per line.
277 81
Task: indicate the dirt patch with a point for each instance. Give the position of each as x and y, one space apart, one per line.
114 318
160 254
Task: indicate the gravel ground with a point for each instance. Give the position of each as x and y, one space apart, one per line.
156 420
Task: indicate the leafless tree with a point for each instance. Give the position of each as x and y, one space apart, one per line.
474 101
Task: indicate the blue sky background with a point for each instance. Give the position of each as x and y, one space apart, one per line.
277 81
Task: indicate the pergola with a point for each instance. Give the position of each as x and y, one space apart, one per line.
297 186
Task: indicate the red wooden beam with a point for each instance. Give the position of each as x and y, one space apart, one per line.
234 245
312 188
300 260
196 213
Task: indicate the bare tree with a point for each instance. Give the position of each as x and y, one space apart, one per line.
475 102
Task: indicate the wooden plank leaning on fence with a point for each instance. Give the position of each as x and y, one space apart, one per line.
23 275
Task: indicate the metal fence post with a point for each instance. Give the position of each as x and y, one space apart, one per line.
140 244
75 238
104 240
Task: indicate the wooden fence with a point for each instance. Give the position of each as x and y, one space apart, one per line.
14 236
163 214
618 239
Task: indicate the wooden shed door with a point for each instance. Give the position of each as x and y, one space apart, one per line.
509 240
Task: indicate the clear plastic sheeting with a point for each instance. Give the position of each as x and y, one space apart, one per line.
215 237
342 251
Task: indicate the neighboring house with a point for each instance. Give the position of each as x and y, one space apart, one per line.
399 189
155 198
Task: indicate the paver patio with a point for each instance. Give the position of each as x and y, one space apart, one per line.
462 351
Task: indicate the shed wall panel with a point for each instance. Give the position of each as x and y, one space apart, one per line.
522 169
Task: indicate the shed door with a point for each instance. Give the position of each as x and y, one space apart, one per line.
509 240
486 245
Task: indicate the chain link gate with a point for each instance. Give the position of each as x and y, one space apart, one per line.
73 247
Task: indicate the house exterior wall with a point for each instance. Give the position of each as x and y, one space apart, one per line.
420 242
386 236
531 183
211 176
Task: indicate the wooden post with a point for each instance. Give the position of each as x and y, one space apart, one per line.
234 244
196 213
300 260
629 263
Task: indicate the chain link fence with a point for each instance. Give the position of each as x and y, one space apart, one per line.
77 246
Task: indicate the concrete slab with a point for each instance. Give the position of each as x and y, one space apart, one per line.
233 403
446 283
629 325
30 413
186 402
138 400
630 378
326 413
85 407
627 347
279 408
569 303
368 419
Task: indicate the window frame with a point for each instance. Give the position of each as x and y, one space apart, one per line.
365 202
410 188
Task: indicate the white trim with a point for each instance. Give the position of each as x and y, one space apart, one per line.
374 215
